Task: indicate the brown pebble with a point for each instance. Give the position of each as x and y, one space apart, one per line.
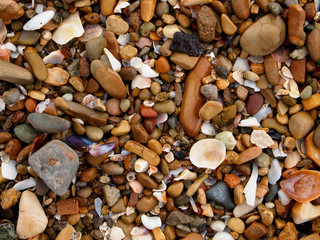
255 102
89 174
146 204
12 148
68 207
175 189
147 181
249 154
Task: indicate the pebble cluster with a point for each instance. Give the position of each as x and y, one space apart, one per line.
142 120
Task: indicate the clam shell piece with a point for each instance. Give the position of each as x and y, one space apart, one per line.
38 21
303 186
68 29
207 153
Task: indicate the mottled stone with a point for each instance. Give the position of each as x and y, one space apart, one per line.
56 164
26 133
7 231
47 123
177 217
185 43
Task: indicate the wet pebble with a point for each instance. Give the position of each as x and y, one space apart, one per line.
47 123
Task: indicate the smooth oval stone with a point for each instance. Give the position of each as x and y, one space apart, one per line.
264 36
316 137
300 124
94 48
12 73
56 164
255 102
221 194
47 123
26 133
313 44
27 38
11 96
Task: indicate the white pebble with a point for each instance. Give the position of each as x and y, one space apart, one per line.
98 205
68 96
38 21
275 172
124 39
141 165
249 122
242 63
244 208
263 112
150 222
55 57
115 64
140 82
218 225
116 233
261 138
25 184
208 129
8 170
283 197
270 205
39 8
222 236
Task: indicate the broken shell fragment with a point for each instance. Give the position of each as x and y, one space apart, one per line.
207 153
38 21
303 186
261 138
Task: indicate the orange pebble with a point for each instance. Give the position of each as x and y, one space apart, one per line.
232 180
162 65
51 111
154 36
31 104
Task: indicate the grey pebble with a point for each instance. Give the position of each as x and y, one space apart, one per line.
221 194
47 123
177 217
209 91
11 96
94 47
26 133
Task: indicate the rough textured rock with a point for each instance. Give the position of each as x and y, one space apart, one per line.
185 43
7 231
56 164
112 194
177 217
206 23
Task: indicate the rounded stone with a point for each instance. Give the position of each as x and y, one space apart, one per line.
26 133
94 133
300 124
236 224
255 102
11 96
94 47
316 137
47 123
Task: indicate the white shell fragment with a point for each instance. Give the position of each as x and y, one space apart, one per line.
98 205
274 173
218 225
150 222
222 236
261 138
121 5
251 187
244 208
55 57
249 122
141 165
116 233
70 28
208 153
283 197
242 63
2 105
208 129
186 175
143 68
38 21
25 184
8 170
140 82
115 64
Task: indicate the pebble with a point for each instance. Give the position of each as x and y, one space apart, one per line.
32 219
167 106
316 137
296 20
12 73
5 137
275 8
255 103
146 204
112 169
209 110
128 52
221 194
7 231
170 30
94 133
227 25
236 224
57 176
11 96
227 138
300 124
57 77
116 25
313 44
28 38
9 198
175 189
94 48
255 231
177 217
150 156
193 236
107 7
185 43
222 236
10 10
47 123
209 91
266 215
113 107
128 73
111 194
68 206
26 133
121 129
206 22
249 154
183 60
306 92
289 232
264 36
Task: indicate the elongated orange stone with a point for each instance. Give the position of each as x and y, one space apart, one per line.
192 97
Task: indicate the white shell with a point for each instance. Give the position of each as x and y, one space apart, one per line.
116 233
208 129
249 122
161 118
252 85
251 187
8 170
263 112
141 165
25 184
218 225
207 153
115 64
140 82
2 105
261 138
98 205
150 222
70 28
242 63
275 171
38 21
186 175
124 39
55 57
238 76
244 208
120 5
222 236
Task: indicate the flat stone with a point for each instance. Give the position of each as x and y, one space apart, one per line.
112 194
57 77
26 133
264 36
255 102
47 123
56 164
32 219
255 231
116 25
221 194
28 38
177 217
183 60
11 96
12 73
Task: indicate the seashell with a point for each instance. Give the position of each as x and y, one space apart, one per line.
88 101
148 103
222 236
141 165
150 222
146 71
161 118
25 184
115 64
124 39
294 90
55 57
3 31
136 186
152 170
193 205
244 208
2 105
251 84
130 210
302 186
8 170
186 175
120 5
116 233
90 32
261 138
304 212
131 176
98 205
283 197
285 72
140 82
138 231
70 28
242 63
4 53
251 187
208 153
238 76
275 171
162 187
218 225
162 198
262 113
208 129
38 21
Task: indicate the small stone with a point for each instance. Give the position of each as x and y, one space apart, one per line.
170 30
113 107
147 203
249 154
185 43
147 181
128 52
236 224
57 77
124 105
10 10
227 25
11 96
209 110
313 44
175 189
177 217
116 25
26 133
56 164
306 92
183 60
7 231
9 198
289 232
221 194
111 194
266 215
128 73
300 124
99 106
209 91
255 231
94 48
68 207
27 38
167 106
193 236
275 8
121 129
316 137
255 102
94 133
227 138
12 73
47 123
32 220
206 22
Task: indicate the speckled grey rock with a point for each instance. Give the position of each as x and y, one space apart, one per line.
56 164
7 231
209 91
11 96
47 123
221 194
177 217
26 133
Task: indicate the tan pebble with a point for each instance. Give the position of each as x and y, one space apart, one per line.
78 128
222 84
74 219
239 197
249 154
311 102
121 129
57 77
94 133
38 95
209 110
175 189
219 7
117 25
147 9
169 232
272 123
36 63
169 30
158 234
183 60
107 6
146 204
65 233
289 232
300 124
240 8
252 218
99 106
284 119
127 52
231 157
150 156
9 198
119 206
184 20
236 224
263 4
155 146
201 197
313 44
227 25
263 82
77 83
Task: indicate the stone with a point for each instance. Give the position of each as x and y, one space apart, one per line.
7 231
9 10
128 73
94 48
210 109
177 217
167 106
146 204
296 20
185 43
107 7
68 206
300 124
57 77
148 155
121 129
221 194
266 215
128 52
56 164
183 60
36 63
289 232
228 26
47 123
240 8
255 231
268 94
9 198
249 154
32 219
111 194
313 44
316 137
193 236
272 123
306 92
12 73
311 102
227 138
209 91
28 38
206 23
236 224
147 181
11 96
255 102
147 9
65 233
117 25
264 36
298 70
94 133
112 169
170 30
311 150
192 98
175 189
26 133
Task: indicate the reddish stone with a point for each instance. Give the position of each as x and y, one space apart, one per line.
149 124
255 102
68 207
147 112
